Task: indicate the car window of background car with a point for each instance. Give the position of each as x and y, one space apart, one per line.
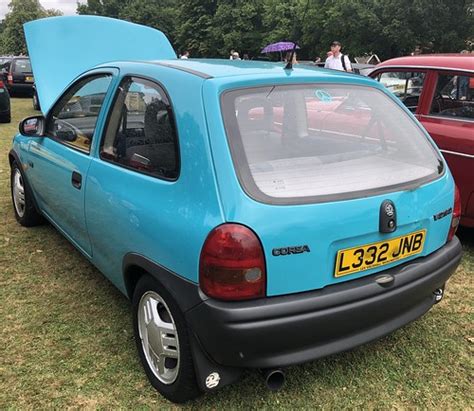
21 66
323 140
406 85
74 117
454 96
5 64
141 133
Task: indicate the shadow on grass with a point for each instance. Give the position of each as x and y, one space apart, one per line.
466 235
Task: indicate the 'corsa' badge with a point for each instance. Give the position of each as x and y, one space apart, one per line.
290 250
443 214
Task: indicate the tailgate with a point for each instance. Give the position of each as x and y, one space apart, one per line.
302 243
320 171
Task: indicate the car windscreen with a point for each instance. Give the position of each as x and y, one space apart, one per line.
309 143
21 66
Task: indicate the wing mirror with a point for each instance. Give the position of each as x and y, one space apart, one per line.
33 126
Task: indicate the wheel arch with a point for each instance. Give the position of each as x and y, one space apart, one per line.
186 293
13 156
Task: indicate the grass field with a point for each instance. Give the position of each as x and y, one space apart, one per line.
66 337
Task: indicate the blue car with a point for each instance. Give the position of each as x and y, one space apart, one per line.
256 216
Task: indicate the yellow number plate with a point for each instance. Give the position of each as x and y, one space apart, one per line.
365 257
29 78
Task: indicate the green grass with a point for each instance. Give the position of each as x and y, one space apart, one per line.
66 338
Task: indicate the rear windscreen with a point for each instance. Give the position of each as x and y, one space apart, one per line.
304 143
22 66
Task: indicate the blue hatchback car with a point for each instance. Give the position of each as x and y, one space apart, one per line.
256 216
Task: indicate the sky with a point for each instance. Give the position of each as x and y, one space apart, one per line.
68 7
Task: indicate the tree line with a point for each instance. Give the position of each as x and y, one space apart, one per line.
211 28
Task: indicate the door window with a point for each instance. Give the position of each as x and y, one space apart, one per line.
74 117
454 96
406 85
141 132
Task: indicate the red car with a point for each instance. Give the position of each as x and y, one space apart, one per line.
439 90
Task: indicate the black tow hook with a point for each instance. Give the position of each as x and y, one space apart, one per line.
274 378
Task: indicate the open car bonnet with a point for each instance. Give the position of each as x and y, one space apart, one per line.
61 48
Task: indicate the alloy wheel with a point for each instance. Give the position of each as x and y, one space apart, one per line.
18 193
159 337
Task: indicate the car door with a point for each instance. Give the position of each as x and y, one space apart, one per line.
58 163
449 118
133 179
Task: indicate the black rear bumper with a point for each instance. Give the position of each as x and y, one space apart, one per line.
286 330
20 88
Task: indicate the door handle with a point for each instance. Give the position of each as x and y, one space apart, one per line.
76 180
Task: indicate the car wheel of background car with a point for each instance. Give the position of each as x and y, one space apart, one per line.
36 104
6 118
162 341
25 210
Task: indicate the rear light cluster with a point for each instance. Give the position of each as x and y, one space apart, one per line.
456 214
2 84
232 264
10 79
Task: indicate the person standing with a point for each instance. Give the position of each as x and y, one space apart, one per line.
185 55
288 57
336 60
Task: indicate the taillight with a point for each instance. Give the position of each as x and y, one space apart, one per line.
232 264
10 79
456 217
2 84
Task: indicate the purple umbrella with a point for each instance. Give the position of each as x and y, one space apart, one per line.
280 46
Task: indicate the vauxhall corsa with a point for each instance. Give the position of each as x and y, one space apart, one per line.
256 216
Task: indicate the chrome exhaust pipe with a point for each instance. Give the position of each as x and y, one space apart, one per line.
438 294
274 378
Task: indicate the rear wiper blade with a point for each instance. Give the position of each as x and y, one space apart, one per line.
440 166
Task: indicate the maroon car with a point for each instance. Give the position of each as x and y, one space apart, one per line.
439 90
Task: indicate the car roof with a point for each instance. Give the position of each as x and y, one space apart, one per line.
454 61
220 68
362 65
20 58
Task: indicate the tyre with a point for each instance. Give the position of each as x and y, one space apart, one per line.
162 341
23 206
36 104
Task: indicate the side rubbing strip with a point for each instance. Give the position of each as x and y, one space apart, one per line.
186 69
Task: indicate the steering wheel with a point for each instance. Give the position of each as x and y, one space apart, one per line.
68 132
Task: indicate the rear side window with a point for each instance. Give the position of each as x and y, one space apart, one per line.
454 96
141 132
406 85
21 66
309 143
